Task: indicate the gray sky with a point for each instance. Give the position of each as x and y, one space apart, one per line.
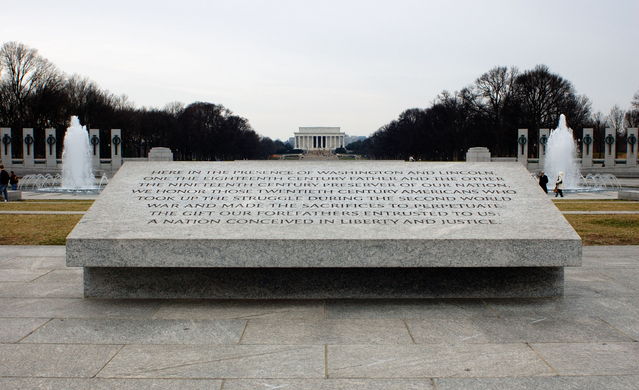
353 64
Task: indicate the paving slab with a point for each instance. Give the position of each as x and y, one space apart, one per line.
405 308
76 308
13 251
14 329
21 275
513 330
326 332
40 290
436 360
69 276
327 384
33 262
54 360
220 361
116 331
591 358
630 382
232 309
108 384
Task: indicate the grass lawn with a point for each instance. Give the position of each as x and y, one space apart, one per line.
29 205
36 229
606 229
597 205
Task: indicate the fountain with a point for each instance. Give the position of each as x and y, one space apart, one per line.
76 158
77 174
561 152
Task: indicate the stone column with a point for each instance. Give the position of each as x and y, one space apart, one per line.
522 146
7 153
610 146
94 140
587 144
50 148
632 138
543 139
27 148
116 149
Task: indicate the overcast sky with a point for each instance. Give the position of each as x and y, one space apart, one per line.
353 64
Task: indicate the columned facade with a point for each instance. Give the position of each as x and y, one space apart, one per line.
319 138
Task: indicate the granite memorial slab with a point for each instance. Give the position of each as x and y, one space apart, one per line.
277 228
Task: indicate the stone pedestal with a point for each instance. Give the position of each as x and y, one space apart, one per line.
610 146
543 140
632 140
587 145
160 154
322 230
478 154
28 148
522 146
94 141
7 153
116 149
50 148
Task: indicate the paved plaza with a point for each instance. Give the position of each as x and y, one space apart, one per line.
53 338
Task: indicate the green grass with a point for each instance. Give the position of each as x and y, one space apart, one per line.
606 229
597 205
36 229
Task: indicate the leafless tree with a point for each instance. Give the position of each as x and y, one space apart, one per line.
616 119
26 77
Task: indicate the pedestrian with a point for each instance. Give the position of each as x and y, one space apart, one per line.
559 185
4 182
543 182
13 180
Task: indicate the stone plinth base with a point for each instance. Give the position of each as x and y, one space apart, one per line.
14 195
323 283
160 154
628 195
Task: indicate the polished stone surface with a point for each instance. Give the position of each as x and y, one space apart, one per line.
50 338
303 214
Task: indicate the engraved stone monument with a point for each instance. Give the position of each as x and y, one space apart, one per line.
294 229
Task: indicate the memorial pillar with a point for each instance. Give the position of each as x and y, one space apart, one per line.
522 146
543 140
50 149
610 147
27 148
94 140
632 134
586 148
7 153
116 149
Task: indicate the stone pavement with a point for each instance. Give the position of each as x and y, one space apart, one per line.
52 338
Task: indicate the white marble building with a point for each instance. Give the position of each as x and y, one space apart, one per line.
319 138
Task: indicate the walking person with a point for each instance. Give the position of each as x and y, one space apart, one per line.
13 180
4 182
543 182
559 185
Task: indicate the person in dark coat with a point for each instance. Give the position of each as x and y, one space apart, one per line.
4 182
543 182
13 180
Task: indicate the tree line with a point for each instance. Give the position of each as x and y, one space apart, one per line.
34 93
488 113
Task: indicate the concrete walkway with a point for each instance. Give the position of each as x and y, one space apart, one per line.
50 337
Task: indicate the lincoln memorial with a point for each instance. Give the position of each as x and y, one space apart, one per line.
319 138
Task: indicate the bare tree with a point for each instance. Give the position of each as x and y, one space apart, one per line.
25 75
616 119
632 115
